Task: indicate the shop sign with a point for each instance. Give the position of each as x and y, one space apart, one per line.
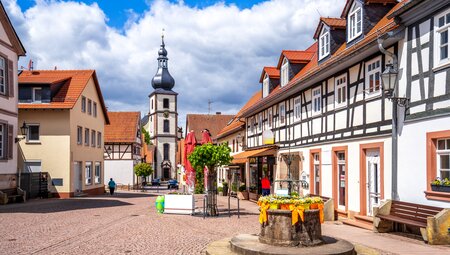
268 137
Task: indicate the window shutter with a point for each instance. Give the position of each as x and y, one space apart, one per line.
10 78
10 141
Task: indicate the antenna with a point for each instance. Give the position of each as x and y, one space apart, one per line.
209 106
320 15
162 35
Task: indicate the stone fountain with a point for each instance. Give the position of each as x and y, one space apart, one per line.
279 236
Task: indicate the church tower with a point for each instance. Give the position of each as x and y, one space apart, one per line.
163 119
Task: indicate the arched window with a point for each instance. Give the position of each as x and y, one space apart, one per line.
166 151
166 126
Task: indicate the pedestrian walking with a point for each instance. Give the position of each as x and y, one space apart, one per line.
265 185
112 186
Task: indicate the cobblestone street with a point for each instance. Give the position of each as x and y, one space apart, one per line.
127 223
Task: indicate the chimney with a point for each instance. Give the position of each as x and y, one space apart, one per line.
218 113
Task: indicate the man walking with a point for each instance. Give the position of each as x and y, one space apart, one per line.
112 186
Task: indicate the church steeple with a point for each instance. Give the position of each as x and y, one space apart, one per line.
162 78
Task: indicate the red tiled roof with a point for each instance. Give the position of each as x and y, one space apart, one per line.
74 83
312 68
213 122
333 23
237 124
295 57
273 73
122 128
349 3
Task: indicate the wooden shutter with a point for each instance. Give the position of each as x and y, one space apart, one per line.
10 140
10 78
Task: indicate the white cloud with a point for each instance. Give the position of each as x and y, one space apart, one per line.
215 52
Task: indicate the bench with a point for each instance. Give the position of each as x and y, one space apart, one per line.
328 207
13 195
423 217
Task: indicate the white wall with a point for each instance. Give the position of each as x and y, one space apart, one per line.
120 170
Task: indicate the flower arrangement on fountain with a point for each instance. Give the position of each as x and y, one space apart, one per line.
296 204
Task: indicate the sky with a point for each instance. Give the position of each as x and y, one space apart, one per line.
216 49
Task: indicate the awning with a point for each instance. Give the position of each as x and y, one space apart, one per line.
242 157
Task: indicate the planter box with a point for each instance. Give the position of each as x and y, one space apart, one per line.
253 196
179 204
243 195
440 188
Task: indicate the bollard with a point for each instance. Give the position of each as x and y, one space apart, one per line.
229 213
239 211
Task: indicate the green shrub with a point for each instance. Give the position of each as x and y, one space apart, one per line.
242 188
220 189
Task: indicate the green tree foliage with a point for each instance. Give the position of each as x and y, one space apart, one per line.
146 136
143 170
211 156
200 183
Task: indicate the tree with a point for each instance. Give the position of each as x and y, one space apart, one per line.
211 156
146 136
143 170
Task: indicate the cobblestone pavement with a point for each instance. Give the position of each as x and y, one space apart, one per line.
127 223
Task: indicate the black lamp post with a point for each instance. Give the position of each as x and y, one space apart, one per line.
23 131
389 79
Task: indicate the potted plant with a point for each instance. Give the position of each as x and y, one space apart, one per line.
243 193
220 190
225 188
440 185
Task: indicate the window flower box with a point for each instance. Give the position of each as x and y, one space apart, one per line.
440 188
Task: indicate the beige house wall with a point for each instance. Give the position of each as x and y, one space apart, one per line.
83 153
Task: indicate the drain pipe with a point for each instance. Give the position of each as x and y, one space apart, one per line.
394 136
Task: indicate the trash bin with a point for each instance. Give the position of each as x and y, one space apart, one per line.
159 204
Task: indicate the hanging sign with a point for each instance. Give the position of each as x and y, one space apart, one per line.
268 137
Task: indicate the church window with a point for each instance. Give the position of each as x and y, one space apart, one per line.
166 126
166 103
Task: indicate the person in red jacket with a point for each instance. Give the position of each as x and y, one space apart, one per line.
265 185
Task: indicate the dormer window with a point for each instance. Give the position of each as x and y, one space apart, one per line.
37 95
324 43
266 86
284 72
354 22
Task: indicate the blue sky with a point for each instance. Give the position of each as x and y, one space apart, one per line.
117 11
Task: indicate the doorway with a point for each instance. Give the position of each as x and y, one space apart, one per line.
77 177
373 192
166 173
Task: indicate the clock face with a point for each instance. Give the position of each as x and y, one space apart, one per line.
166 114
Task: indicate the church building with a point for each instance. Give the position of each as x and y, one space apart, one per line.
163 119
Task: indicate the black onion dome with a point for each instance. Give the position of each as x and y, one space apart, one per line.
162 78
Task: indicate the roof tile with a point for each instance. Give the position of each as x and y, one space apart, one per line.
122 128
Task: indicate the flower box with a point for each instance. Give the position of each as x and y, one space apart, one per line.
440 188
179 204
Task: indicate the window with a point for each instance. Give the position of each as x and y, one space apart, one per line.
86 136
442 27
88 172
79 135
282 114
166 151
166 126
37 95
33 133
234 145
443 158
252 125
354 22
93 138
166 103
89 105
373 77
316 100
151 103
260 122
270 117
98 170
95 109
2 76
99 139
83 104
340 90
341 177
297 108
324 43
2 140
316 166
266 85
284 72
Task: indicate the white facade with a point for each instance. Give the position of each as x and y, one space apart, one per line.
121 171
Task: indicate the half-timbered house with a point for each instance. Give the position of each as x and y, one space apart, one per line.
122 149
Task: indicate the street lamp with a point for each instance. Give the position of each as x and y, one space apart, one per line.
23 131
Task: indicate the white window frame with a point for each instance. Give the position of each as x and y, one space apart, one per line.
34 95
353 23
3 128
97 172
284 75
372 69
88 172
282 114
266 86
29 130
3 70
442 152
438 62
270 117
297 108
324 42
316 100
340 91
79 135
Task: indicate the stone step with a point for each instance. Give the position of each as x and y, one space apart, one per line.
365 219
359 224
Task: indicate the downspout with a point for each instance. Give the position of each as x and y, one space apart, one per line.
394 136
